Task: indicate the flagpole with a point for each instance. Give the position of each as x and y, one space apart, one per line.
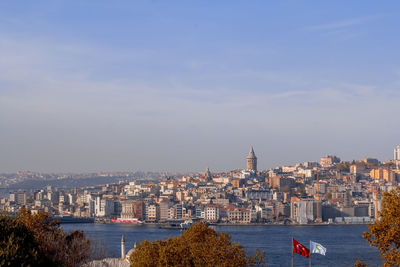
292 253
309 263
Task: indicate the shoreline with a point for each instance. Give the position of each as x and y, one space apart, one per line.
222 224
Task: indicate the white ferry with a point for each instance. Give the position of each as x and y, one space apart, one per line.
186 224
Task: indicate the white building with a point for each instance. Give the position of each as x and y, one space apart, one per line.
303 211
245 174
85 198
62 198
134 189
152 212
103 207
12 197
71 198
211 213
289 168
308 173
262 212
222 180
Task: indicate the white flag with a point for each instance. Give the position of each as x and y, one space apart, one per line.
317 248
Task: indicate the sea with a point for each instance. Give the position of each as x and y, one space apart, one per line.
344 243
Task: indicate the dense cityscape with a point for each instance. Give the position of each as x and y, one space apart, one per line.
199 133
328 191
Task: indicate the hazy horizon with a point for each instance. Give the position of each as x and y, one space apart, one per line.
175 171
175 86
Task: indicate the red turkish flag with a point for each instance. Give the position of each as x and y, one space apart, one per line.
300 249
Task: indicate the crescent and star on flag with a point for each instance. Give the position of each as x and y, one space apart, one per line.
304 251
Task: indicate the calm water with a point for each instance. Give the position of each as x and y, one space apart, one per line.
344 243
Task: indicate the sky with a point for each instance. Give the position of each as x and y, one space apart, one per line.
90 86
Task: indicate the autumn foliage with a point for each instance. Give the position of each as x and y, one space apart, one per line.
17 245
384 233
37 240
360 264
200 245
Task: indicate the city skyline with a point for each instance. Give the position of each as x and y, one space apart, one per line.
250 165
153 86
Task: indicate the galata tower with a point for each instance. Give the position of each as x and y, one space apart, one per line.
251 160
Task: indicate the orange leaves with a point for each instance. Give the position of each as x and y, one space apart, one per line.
384 233
59 248
200 245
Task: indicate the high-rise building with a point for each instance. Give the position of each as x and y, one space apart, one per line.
21 197
103 207
397 156
303 211
397 153
251 160
164 209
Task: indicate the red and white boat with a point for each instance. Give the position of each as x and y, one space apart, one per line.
127 220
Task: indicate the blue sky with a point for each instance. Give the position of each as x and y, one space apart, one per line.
179 85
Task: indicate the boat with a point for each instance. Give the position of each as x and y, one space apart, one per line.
168 226
70 219
186 224
126 221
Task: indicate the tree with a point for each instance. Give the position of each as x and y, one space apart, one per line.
61 248
200 245
300 190
384 233
359 263
17 245
343 167
47 233
42 241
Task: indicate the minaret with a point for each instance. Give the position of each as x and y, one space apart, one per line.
251 160
122 247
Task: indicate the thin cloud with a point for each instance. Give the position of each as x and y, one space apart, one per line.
341 24
88 121
290 94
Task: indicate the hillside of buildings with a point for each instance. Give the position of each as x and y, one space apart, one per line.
324 191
